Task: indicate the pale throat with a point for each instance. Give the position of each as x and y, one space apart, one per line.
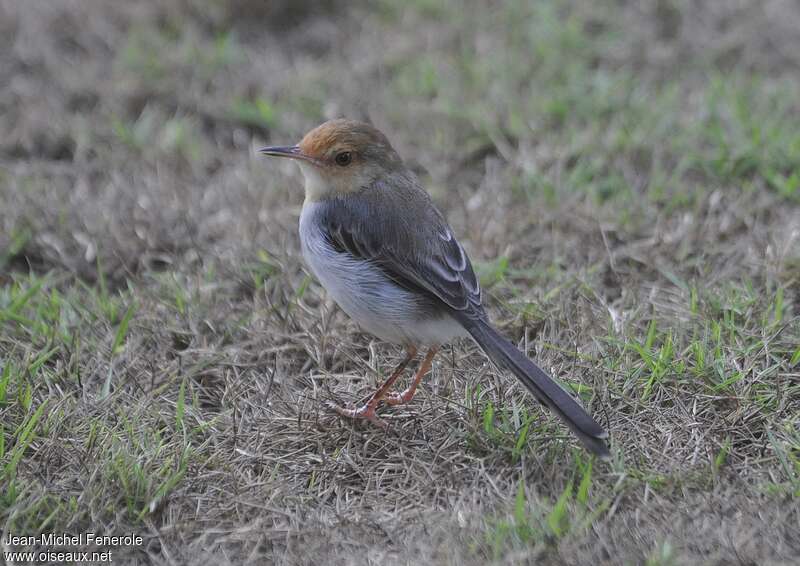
316 185
320 186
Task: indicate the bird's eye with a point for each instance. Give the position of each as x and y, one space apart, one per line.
344 158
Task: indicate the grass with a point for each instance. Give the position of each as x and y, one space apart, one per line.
624 177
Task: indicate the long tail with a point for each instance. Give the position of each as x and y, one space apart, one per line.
507 356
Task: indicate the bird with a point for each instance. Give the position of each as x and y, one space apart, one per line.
374 239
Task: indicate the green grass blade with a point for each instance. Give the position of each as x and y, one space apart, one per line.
122 330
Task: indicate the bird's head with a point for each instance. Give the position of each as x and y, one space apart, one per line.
340 156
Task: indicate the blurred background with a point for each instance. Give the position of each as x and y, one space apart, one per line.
128 131
624 175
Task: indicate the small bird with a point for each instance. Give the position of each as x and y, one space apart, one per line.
372 236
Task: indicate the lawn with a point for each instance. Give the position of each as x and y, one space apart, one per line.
625 176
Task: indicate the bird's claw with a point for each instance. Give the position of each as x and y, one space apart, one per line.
364 412
394 398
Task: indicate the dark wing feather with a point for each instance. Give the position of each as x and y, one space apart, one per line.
422 257
353 243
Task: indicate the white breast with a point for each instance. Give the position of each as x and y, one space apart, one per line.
370 298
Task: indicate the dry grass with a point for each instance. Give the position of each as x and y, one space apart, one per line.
624 174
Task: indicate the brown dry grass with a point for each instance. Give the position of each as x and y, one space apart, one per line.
606 153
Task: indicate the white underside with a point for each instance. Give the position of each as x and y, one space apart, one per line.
374 301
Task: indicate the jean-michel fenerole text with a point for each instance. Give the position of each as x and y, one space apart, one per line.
68 540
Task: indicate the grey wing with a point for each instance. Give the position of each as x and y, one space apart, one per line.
427 260
449 274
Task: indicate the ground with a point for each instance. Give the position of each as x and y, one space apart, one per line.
623 174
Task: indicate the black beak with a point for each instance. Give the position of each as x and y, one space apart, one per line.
292 151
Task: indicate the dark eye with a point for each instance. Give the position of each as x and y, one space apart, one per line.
344 158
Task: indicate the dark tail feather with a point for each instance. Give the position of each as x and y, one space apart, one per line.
507 356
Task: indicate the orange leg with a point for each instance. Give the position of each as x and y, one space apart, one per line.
367 411
408 394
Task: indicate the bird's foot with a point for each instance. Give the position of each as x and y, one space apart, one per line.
366 411
400 398
408 394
